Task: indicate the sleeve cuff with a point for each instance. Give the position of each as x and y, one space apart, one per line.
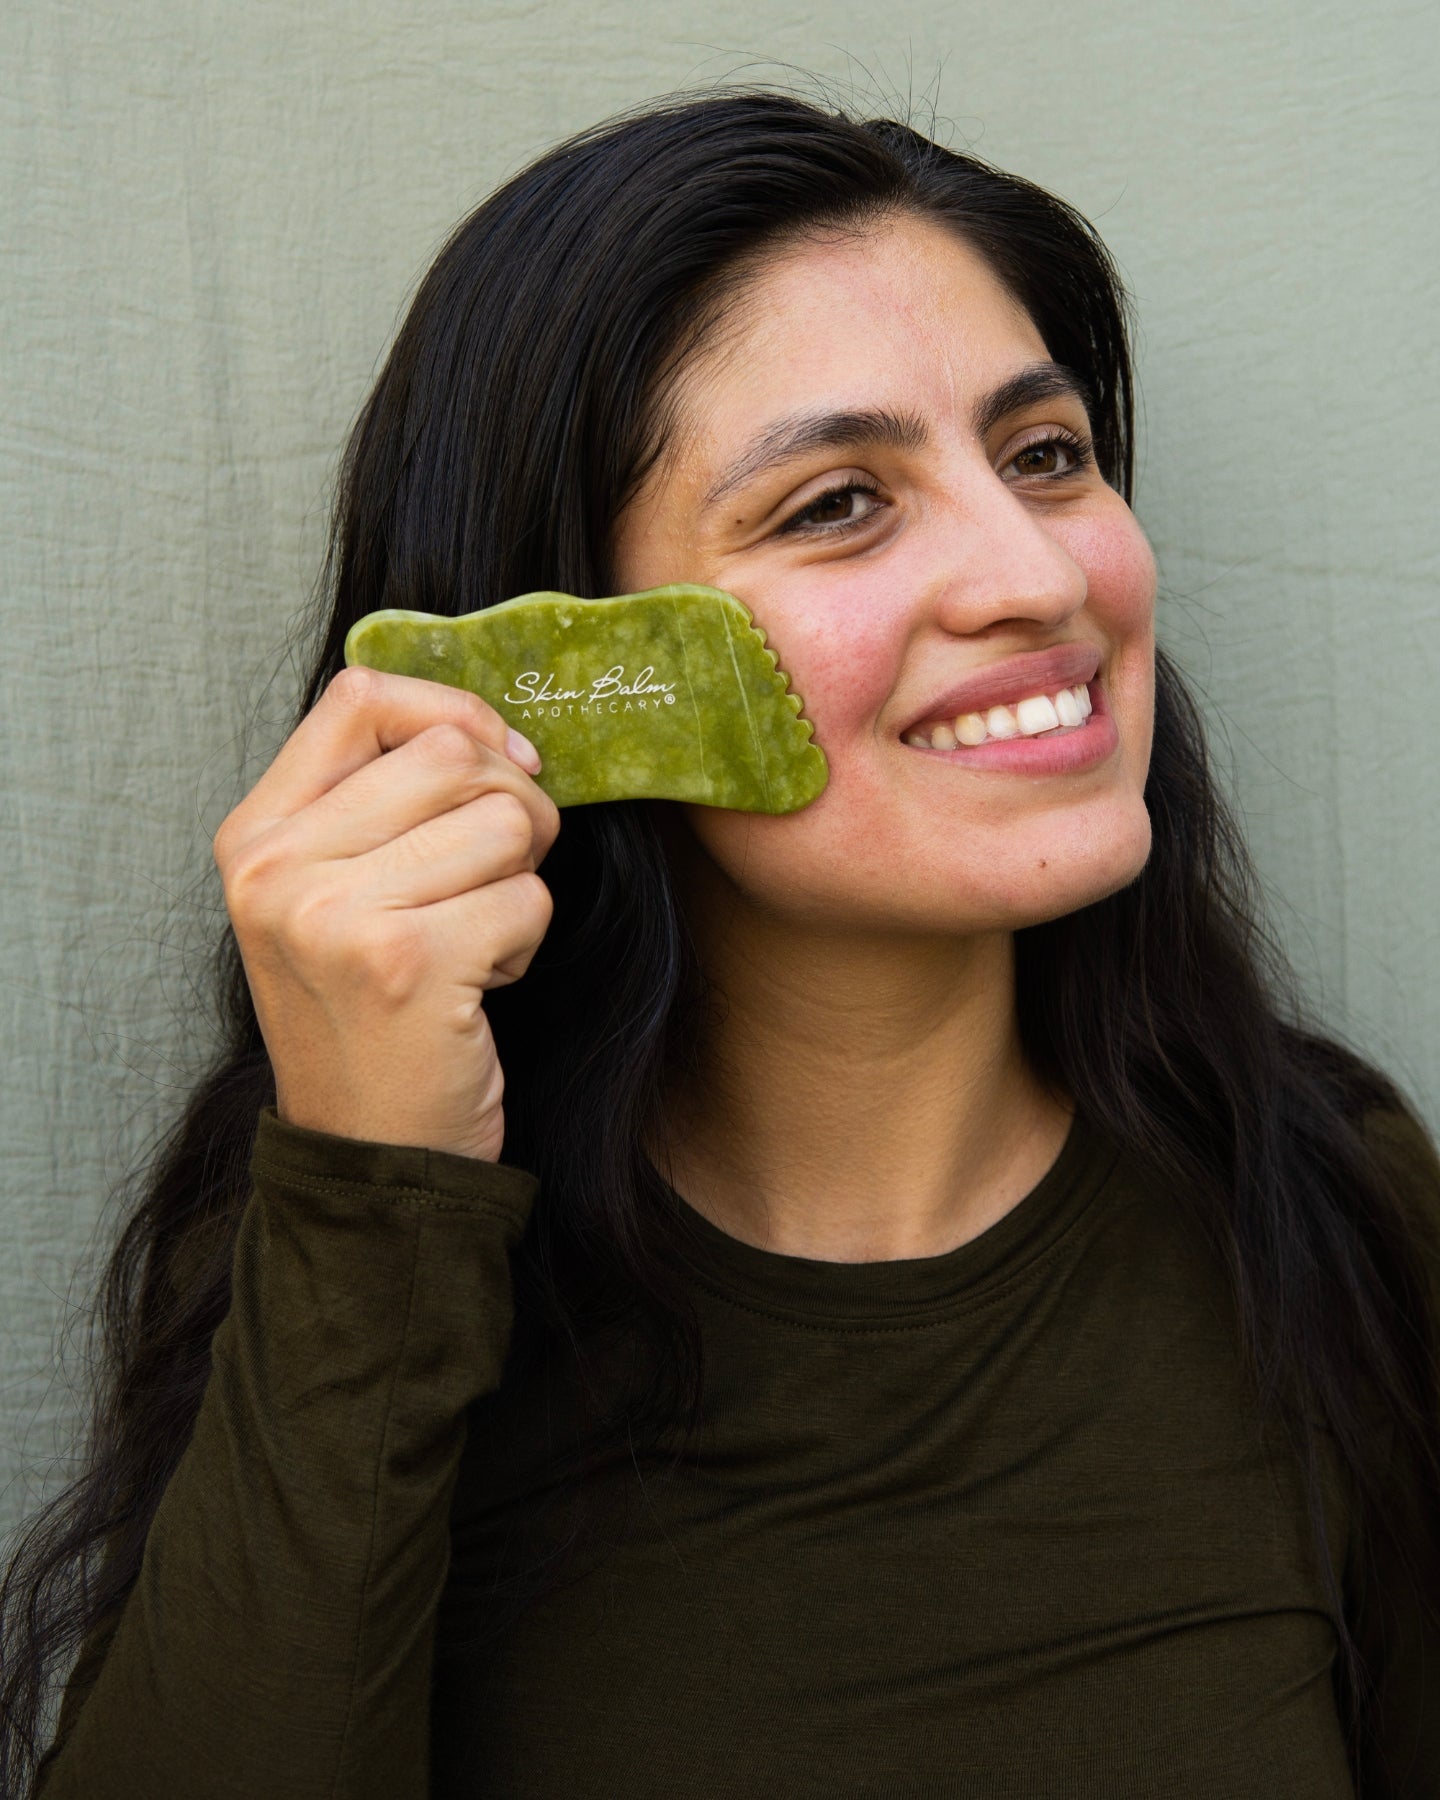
406 1171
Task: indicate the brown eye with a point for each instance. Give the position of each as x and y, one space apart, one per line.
832 508
836 509
1053 457
1040 459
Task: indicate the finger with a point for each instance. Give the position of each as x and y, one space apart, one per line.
441 769
486 938
361 714
480 843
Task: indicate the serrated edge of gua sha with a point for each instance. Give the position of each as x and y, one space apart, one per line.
797 706
786 694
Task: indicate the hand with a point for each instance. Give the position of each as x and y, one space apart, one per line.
380 877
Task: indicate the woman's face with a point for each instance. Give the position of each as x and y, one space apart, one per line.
841 463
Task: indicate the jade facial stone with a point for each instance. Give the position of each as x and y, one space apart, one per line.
666 695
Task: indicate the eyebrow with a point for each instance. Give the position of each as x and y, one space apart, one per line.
800 433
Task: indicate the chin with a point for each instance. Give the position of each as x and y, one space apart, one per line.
1021 877
1071 899
1066 884
1026 882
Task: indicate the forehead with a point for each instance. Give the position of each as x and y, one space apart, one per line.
905 313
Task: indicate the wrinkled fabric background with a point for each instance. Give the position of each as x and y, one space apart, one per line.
212 216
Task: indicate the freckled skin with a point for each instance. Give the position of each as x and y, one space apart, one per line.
963 560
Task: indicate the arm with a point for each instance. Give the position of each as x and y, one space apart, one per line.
1397 1619
278 1640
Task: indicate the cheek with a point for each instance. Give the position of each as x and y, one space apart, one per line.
1121 578
1119 567
843 658
843 650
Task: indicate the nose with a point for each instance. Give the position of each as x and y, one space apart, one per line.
996 562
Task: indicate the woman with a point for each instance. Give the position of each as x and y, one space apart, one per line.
892 1302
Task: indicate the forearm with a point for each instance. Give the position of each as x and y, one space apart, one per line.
278 1640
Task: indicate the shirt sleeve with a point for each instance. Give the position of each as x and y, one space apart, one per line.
279 1637
1397 1618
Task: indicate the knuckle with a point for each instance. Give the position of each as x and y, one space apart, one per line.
355 686
537 902
382 953
314 926
220 843
249 878
446 745
480 718
509 822
391 955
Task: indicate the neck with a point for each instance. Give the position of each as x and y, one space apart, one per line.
861 1096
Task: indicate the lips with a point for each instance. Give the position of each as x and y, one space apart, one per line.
1017 678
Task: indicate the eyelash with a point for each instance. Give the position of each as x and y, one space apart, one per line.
796 521
1082 450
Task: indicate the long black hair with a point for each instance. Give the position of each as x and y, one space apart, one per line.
521 405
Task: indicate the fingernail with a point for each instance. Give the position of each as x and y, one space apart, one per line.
521 750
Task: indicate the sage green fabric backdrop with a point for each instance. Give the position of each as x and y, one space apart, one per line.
212 216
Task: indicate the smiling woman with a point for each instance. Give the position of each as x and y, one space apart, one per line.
930 1316
913 507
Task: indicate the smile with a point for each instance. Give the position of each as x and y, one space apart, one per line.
1063 711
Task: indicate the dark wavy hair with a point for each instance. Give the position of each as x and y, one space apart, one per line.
522 403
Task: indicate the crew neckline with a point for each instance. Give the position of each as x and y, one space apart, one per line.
908 1289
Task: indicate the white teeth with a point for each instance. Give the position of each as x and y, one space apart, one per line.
1068 708
970 728
1036 715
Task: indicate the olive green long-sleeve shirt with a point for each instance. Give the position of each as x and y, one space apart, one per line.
994 1525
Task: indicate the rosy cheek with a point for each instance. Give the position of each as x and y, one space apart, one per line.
843 661
1119 566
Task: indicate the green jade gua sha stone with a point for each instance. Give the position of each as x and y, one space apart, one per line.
666 695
